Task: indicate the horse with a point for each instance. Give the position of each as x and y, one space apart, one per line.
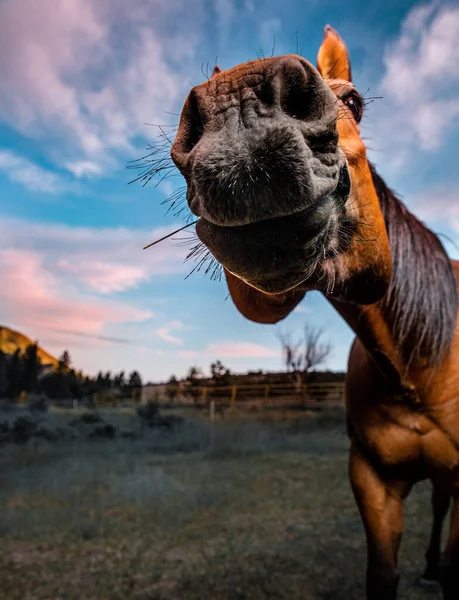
287 201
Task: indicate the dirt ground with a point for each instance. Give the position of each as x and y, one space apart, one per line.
238 509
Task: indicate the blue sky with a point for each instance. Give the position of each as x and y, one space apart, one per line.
80 78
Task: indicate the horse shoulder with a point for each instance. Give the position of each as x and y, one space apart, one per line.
384 427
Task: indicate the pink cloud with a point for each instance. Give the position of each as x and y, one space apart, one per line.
104 277
91 72
240 349
34 299
102 260
59 279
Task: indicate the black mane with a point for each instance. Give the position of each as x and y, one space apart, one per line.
422 301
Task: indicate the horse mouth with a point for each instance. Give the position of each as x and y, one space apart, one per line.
276 254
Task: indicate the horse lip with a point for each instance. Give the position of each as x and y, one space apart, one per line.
252 227
276 254
340 193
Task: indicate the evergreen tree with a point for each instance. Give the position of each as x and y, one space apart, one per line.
99 381
31 369
119 381
15 369
3 373
64 362
75 384
135 381
108 380
135 385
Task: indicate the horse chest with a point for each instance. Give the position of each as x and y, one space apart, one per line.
400 437
393 440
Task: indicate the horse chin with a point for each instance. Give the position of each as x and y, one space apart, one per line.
274 255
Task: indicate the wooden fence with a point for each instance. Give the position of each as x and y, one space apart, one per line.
270 394
313 395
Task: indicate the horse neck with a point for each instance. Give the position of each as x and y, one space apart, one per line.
375 334
412 327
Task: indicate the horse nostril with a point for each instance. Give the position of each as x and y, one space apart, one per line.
265 92
194 126
297 90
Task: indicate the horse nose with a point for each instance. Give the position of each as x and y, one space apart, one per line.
295 85
289 84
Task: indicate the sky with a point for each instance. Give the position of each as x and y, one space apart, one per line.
85 85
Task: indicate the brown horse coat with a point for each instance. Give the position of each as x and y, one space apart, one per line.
287 202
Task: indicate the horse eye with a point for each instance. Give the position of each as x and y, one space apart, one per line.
355 105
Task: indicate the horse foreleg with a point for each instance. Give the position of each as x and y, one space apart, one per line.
380 502
449 564
440 506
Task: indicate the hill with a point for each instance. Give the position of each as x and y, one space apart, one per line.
11 340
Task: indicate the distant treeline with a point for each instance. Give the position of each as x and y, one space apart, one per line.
23 373
222 376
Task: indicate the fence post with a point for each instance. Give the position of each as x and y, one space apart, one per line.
212 410
204 395
266 392
233 393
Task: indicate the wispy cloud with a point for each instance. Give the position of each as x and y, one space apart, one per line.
101 260
64 278
165 332
83 76
36 299
439 205
83 168
31 176
421 82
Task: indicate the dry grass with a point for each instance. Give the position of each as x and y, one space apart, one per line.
244 510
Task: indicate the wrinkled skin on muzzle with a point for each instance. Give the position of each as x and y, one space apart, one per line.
258 147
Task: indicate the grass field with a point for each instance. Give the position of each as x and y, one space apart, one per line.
238 509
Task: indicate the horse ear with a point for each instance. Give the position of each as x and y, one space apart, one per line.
333 58
216 71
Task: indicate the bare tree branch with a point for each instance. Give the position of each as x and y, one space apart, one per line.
307 353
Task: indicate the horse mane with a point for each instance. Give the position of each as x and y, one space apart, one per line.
422 301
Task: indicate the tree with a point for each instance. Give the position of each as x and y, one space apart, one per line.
301 356
99 381
61 384
135 381
193 379
15 370
31 369
135 385
108 380
3 373
219 373
194 374
172 388
64 362
119 381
